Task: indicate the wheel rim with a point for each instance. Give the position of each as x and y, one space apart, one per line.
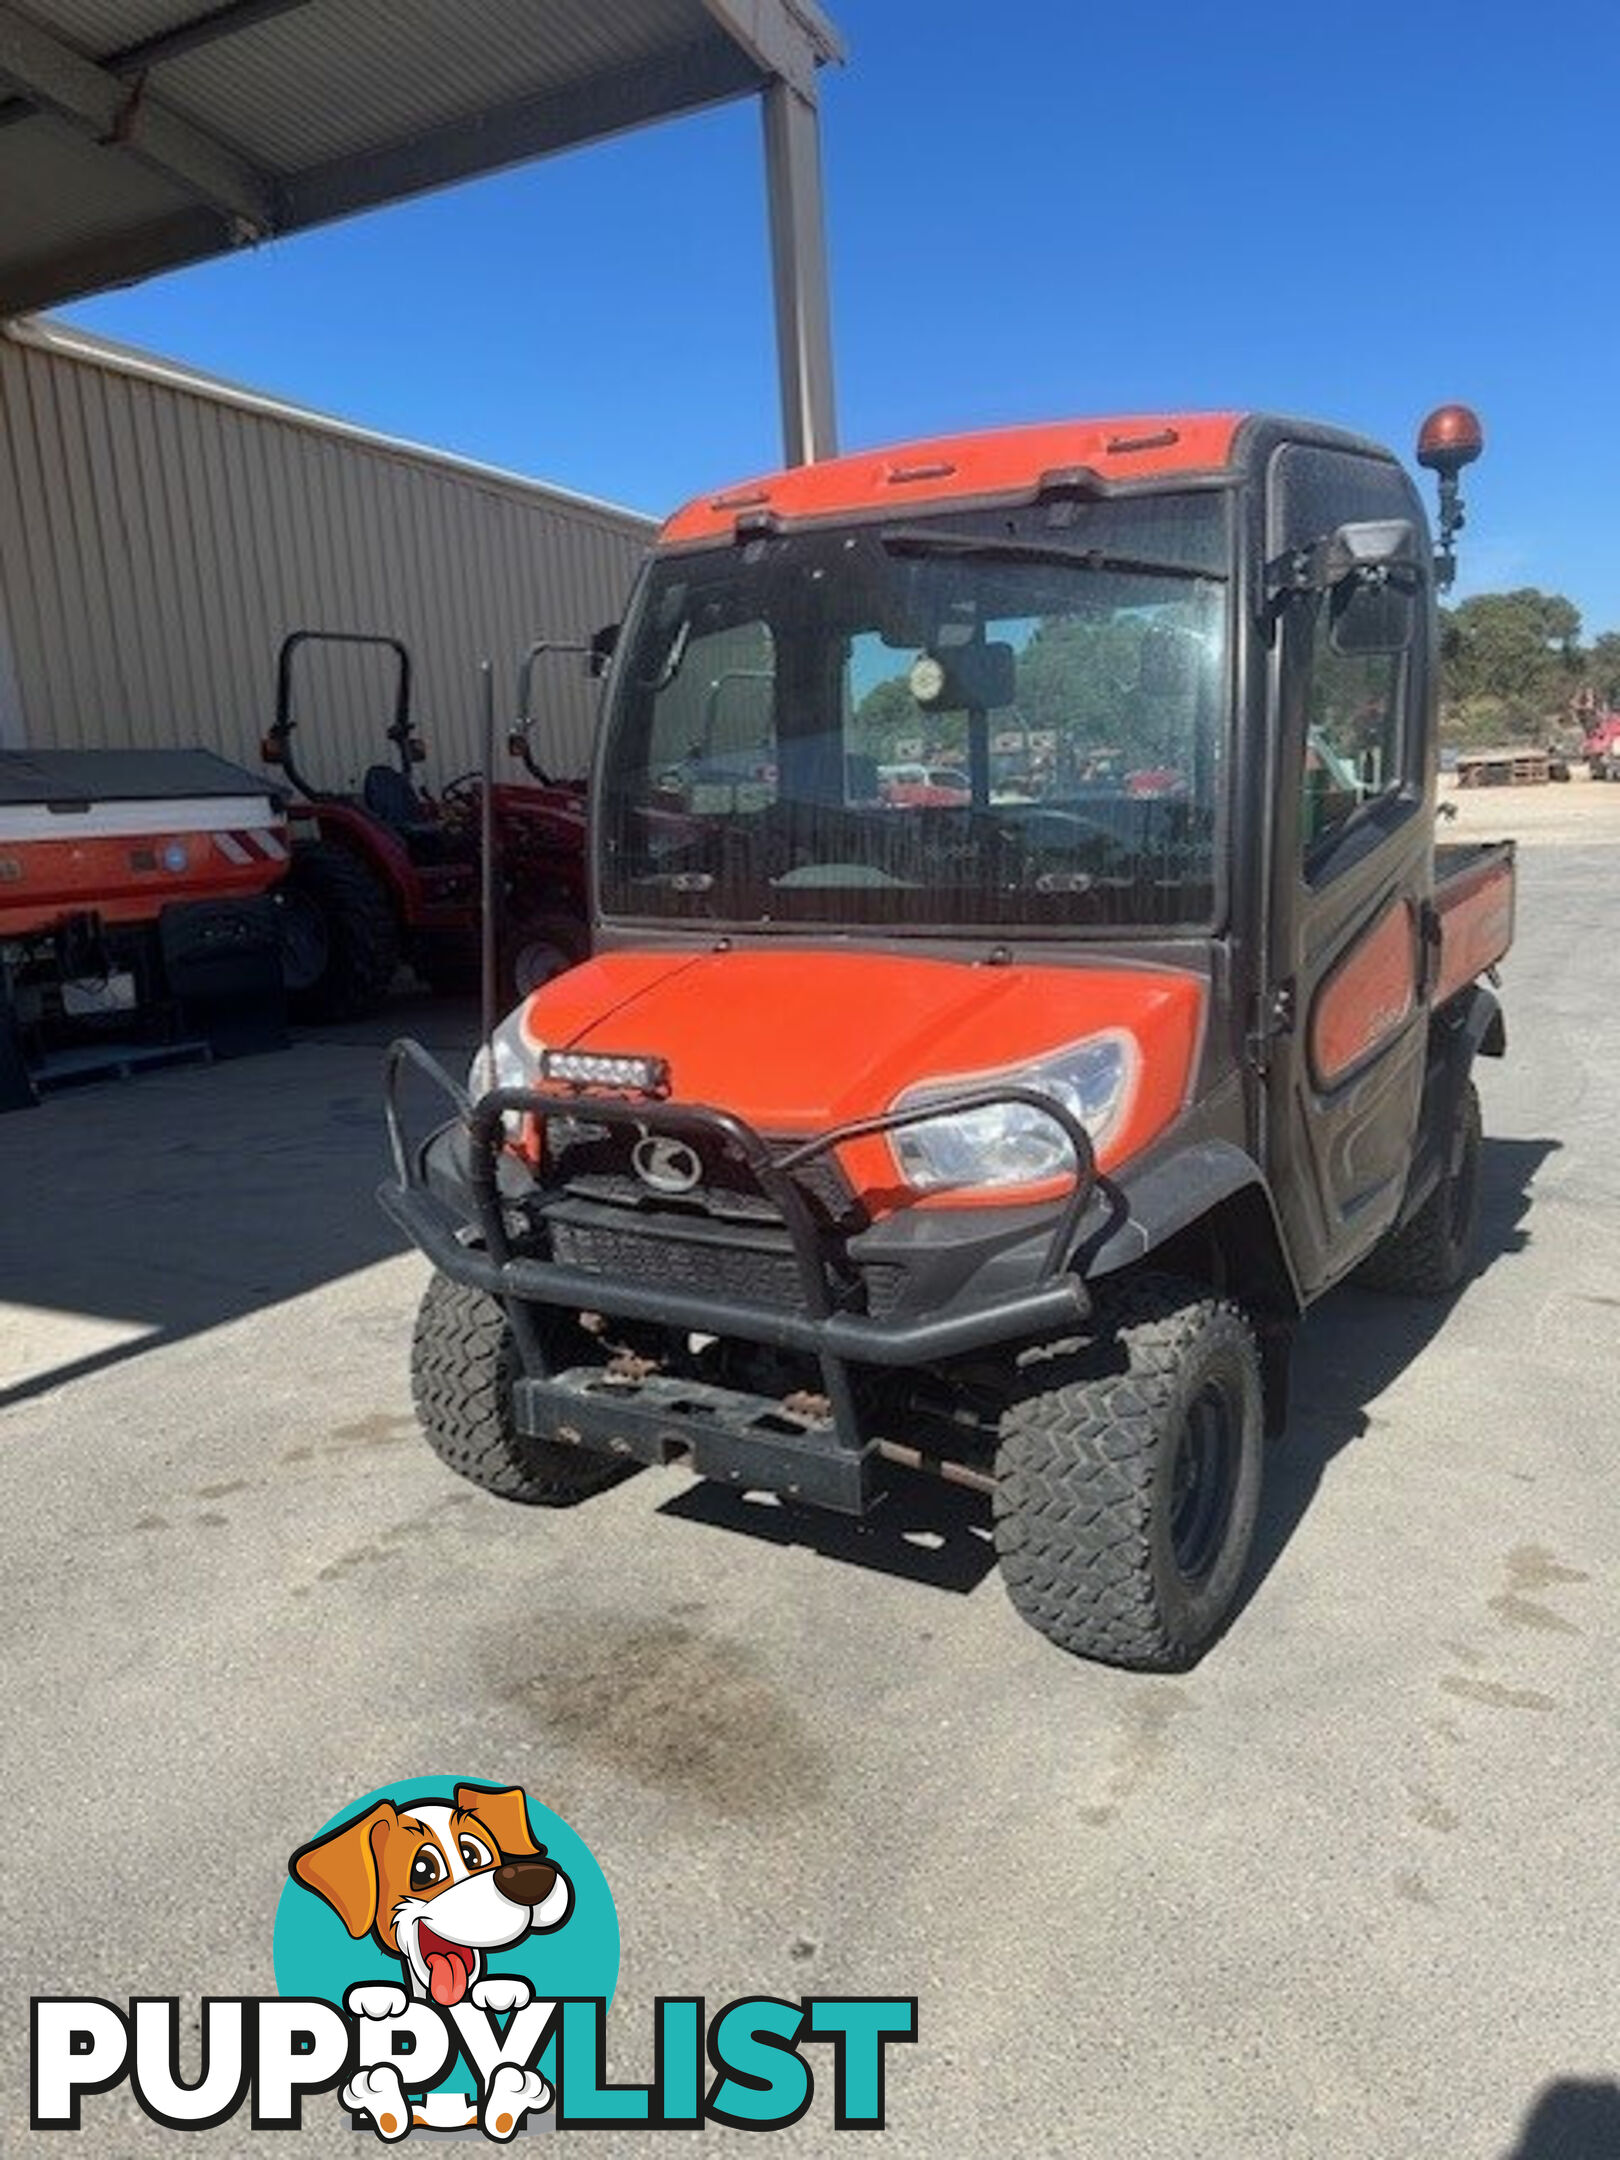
305 947
1203 1482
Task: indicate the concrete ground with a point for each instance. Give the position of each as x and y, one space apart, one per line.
1344 1892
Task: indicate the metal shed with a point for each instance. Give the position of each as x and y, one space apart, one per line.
161 531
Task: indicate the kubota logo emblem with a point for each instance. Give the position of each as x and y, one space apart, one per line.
666 1165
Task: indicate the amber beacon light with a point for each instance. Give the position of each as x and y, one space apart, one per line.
1449 439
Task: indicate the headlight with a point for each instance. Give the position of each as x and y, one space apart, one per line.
505 1061
1012 1143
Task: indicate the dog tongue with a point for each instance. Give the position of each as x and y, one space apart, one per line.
447 1979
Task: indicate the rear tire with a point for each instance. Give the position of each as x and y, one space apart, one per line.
339 939
1433 1254
463 1364
1128 1478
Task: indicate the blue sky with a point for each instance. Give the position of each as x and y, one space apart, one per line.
1036 209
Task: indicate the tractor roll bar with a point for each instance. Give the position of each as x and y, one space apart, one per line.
520 740
399 728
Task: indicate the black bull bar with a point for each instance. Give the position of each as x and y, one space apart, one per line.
741 1439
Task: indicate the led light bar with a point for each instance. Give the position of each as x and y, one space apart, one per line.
596 1068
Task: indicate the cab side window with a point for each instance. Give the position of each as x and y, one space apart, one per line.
1355 749
1349 665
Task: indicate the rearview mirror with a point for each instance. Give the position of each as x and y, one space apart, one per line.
965 678
604 644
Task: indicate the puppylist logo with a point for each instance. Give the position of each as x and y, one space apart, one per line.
445 1953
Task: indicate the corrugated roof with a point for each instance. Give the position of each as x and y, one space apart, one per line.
141 134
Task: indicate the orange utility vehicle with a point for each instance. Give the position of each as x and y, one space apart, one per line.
135 921
1007 1140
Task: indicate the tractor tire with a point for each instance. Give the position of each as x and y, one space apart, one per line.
1128 1477
539 949
339 938
1433 1254
463 1363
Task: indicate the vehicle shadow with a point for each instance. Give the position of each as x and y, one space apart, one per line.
1350 1349
1573 2119
922 1530
138 1213
1357 1343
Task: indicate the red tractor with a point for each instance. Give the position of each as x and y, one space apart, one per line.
395 872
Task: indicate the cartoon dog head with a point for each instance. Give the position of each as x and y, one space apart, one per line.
438 1882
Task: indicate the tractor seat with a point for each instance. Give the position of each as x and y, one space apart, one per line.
389 795
391 799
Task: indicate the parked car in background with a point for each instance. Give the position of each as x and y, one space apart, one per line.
924 787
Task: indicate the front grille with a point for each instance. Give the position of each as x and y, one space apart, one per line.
752 1273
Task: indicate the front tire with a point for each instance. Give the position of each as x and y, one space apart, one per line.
339 938
463 1364
1128 1478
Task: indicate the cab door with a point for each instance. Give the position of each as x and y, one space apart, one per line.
1344 1018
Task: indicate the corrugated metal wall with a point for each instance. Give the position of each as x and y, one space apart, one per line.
159 535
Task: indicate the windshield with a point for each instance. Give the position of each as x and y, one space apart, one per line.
1000 720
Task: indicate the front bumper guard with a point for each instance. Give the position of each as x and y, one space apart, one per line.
746 1441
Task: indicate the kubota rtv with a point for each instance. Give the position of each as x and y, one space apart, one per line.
1008 1137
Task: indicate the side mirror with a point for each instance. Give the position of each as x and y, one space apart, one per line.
965 678
1367 620
604 644
1372 552
1371 573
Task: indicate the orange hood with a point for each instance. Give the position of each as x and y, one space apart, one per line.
794 1042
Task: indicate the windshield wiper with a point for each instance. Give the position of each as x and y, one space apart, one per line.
922 540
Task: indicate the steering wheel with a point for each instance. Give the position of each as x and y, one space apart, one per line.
458 799
461 793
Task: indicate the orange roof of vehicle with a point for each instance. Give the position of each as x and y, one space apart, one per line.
966 467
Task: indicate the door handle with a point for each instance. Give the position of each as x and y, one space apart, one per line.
1279 1009
1430 938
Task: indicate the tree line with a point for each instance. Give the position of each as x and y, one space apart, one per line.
1515 668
